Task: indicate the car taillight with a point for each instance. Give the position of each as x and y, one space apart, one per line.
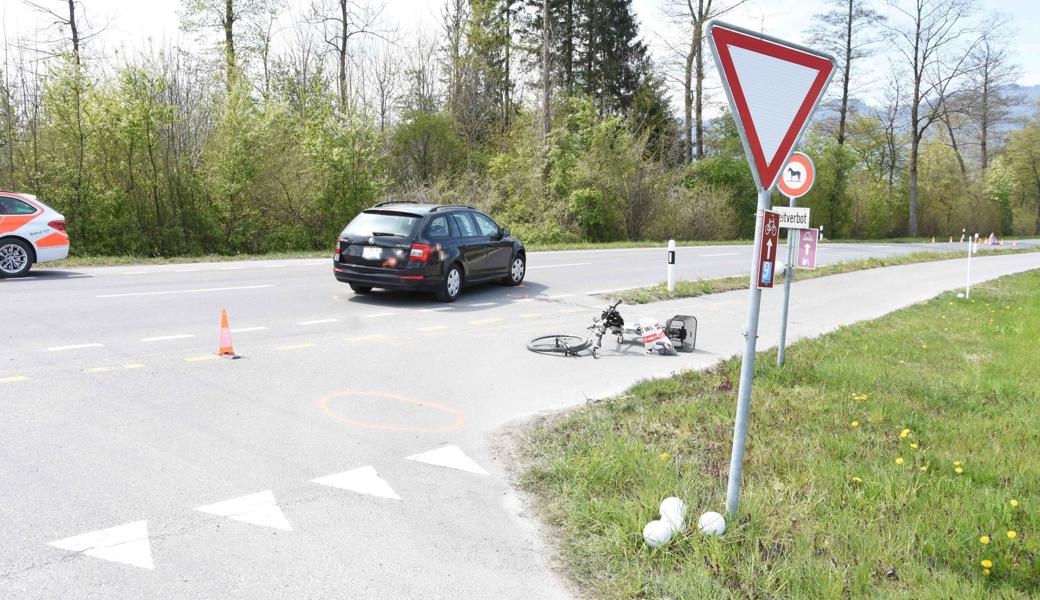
420 253
336 255
59 225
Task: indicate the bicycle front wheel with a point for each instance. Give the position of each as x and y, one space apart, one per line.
567 345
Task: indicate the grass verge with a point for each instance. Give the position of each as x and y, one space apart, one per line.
700 287
877 461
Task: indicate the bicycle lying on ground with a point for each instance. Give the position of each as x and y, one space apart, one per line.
610 320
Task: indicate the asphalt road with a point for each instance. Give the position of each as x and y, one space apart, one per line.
119 424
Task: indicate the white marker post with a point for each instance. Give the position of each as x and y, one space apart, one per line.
773 88
973 247
671 265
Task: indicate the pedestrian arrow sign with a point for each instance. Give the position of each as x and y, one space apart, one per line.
807 239
773 88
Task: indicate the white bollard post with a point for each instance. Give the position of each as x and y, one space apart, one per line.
671 265
973 247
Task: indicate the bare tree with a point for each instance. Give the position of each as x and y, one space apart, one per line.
385 71
846 32
929 35
692 16
989 98
204 15
341 21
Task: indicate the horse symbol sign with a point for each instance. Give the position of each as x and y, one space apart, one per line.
797 177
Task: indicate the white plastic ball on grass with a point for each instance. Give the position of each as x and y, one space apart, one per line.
712 523
673 510
657 533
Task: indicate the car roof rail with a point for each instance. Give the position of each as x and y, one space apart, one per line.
440 206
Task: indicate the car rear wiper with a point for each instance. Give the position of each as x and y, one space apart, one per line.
385 234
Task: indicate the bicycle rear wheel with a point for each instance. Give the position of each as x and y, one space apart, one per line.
567 345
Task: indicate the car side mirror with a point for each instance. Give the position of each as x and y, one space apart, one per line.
504 232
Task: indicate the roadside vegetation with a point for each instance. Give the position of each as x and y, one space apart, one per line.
890 459
270 127
700 287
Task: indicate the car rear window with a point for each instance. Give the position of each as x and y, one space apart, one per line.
13 206
383 224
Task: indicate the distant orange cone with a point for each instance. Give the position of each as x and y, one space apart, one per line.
226 349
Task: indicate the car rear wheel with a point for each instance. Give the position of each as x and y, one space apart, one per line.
361 289
15 258
451 287
517 271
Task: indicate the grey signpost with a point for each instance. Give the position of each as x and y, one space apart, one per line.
793 189
773 87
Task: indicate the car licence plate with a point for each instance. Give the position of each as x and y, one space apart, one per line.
372 253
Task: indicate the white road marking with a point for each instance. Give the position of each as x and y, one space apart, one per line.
127 544
363 481
714 255
558 296
14 379
530 315
571 311
195 291
74 347
135 272
230 268
318 322
248 329
202 358
99 370
557 266
186 270
134 366
296 346
377 315
434 328
479 304
438 309
258 509
485 321
164 338
451 457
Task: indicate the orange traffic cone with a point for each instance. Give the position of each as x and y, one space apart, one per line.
226 348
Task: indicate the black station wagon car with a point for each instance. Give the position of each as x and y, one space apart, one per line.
428 247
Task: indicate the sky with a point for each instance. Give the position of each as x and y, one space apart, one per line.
130 24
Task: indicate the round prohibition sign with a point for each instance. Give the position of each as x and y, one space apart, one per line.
797 177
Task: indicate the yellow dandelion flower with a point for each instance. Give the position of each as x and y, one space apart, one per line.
956 463
987 563
899 460
865 397
924 346
1012 534
904 433
1013 503
856 479
985 572
924 467
854 424
958 470
664 456
914 445
984 539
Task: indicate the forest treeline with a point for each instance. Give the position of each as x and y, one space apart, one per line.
274 130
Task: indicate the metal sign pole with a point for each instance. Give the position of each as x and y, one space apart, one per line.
747 368
788 276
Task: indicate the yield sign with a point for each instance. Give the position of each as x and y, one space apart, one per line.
773 88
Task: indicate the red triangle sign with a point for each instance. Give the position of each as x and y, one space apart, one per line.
773 88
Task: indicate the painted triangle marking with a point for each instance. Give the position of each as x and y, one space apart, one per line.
363 481
257 509
127 544
451 457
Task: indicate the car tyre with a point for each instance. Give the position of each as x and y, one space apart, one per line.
451 287
517 271
16 258
361 289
